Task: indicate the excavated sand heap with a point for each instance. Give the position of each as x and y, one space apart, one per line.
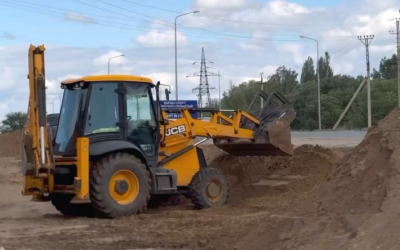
10 144
311 162
363 190
357 205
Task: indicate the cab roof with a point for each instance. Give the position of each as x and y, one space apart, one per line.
102 78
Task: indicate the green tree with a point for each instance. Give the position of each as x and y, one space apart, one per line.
387 69
308 72
305 104
213 104
325 69
13 121
336 92
284 80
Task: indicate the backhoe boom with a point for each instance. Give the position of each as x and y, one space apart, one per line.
37 158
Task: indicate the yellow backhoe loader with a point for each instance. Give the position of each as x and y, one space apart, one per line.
115 152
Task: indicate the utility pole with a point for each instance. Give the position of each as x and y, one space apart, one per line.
176 54
319 90
366 40
262 88
397 33
110 60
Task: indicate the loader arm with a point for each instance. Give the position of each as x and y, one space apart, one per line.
264 133
37 157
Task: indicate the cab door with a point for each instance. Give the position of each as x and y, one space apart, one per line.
142 127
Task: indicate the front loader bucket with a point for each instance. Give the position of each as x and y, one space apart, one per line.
272 137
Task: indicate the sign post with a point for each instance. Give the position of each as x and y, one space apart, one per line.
165 105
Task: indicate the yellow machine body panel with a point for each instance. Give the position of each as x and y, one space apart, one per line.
81 182
105 78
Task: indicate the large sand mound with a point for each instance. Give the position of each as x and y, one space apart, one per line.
10 144
256 176
326 202
355 207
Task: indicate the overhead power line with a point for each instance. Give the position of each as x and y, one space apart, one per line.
275 24
125 26
135 12
23 3
151 7
119 25
163 22
354 47
117 13
187 27
39 8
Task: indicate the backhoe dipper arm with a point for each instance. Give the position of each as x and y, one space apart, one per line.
37 155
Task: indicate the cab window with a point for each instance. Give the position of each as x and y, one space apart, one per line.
102 115
140 117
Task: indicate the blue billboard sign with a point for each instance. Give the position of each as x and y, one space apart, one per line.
165 105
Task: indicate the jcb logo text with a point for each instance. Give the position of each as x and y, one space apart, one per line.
175 130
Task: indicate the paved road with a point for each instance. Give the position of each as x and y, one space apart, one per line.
330 134
325 138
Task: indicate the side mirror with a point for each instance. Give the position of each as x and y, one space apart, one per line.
167 94
160 119
164 122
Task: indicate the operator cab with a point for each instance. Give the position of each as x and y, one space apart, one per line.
116 112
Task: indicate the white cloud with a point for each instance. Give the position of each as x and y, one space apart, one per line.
217 4
247 46
196 21
78 17
284 8
164 78
336 33
295 51
344 67
249 78
157 38
7 76
383 49
364 18
259 34
268 70
103 59
238 59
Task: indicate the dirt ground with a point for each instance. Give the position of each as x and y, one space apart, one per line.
335 196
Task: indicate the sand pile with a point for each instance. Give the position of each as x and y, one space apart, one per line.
10 144
355 207
363 190
309 163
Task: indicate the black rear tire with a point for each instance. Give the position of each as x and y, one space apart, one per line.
109 201
62 202
200 189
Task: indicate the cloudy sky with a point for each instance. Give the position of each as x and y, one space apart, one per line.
241 37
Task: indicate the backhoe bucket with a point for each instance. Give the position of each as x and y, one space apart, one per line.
272 137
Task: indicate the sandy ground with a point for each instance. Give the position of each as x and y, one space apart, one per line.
25 224
332 194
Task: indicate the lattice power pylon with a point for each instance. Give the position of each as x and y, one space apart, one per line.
203 89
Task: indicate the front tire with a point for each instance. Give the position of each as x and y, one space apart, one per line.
208 188
120 185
